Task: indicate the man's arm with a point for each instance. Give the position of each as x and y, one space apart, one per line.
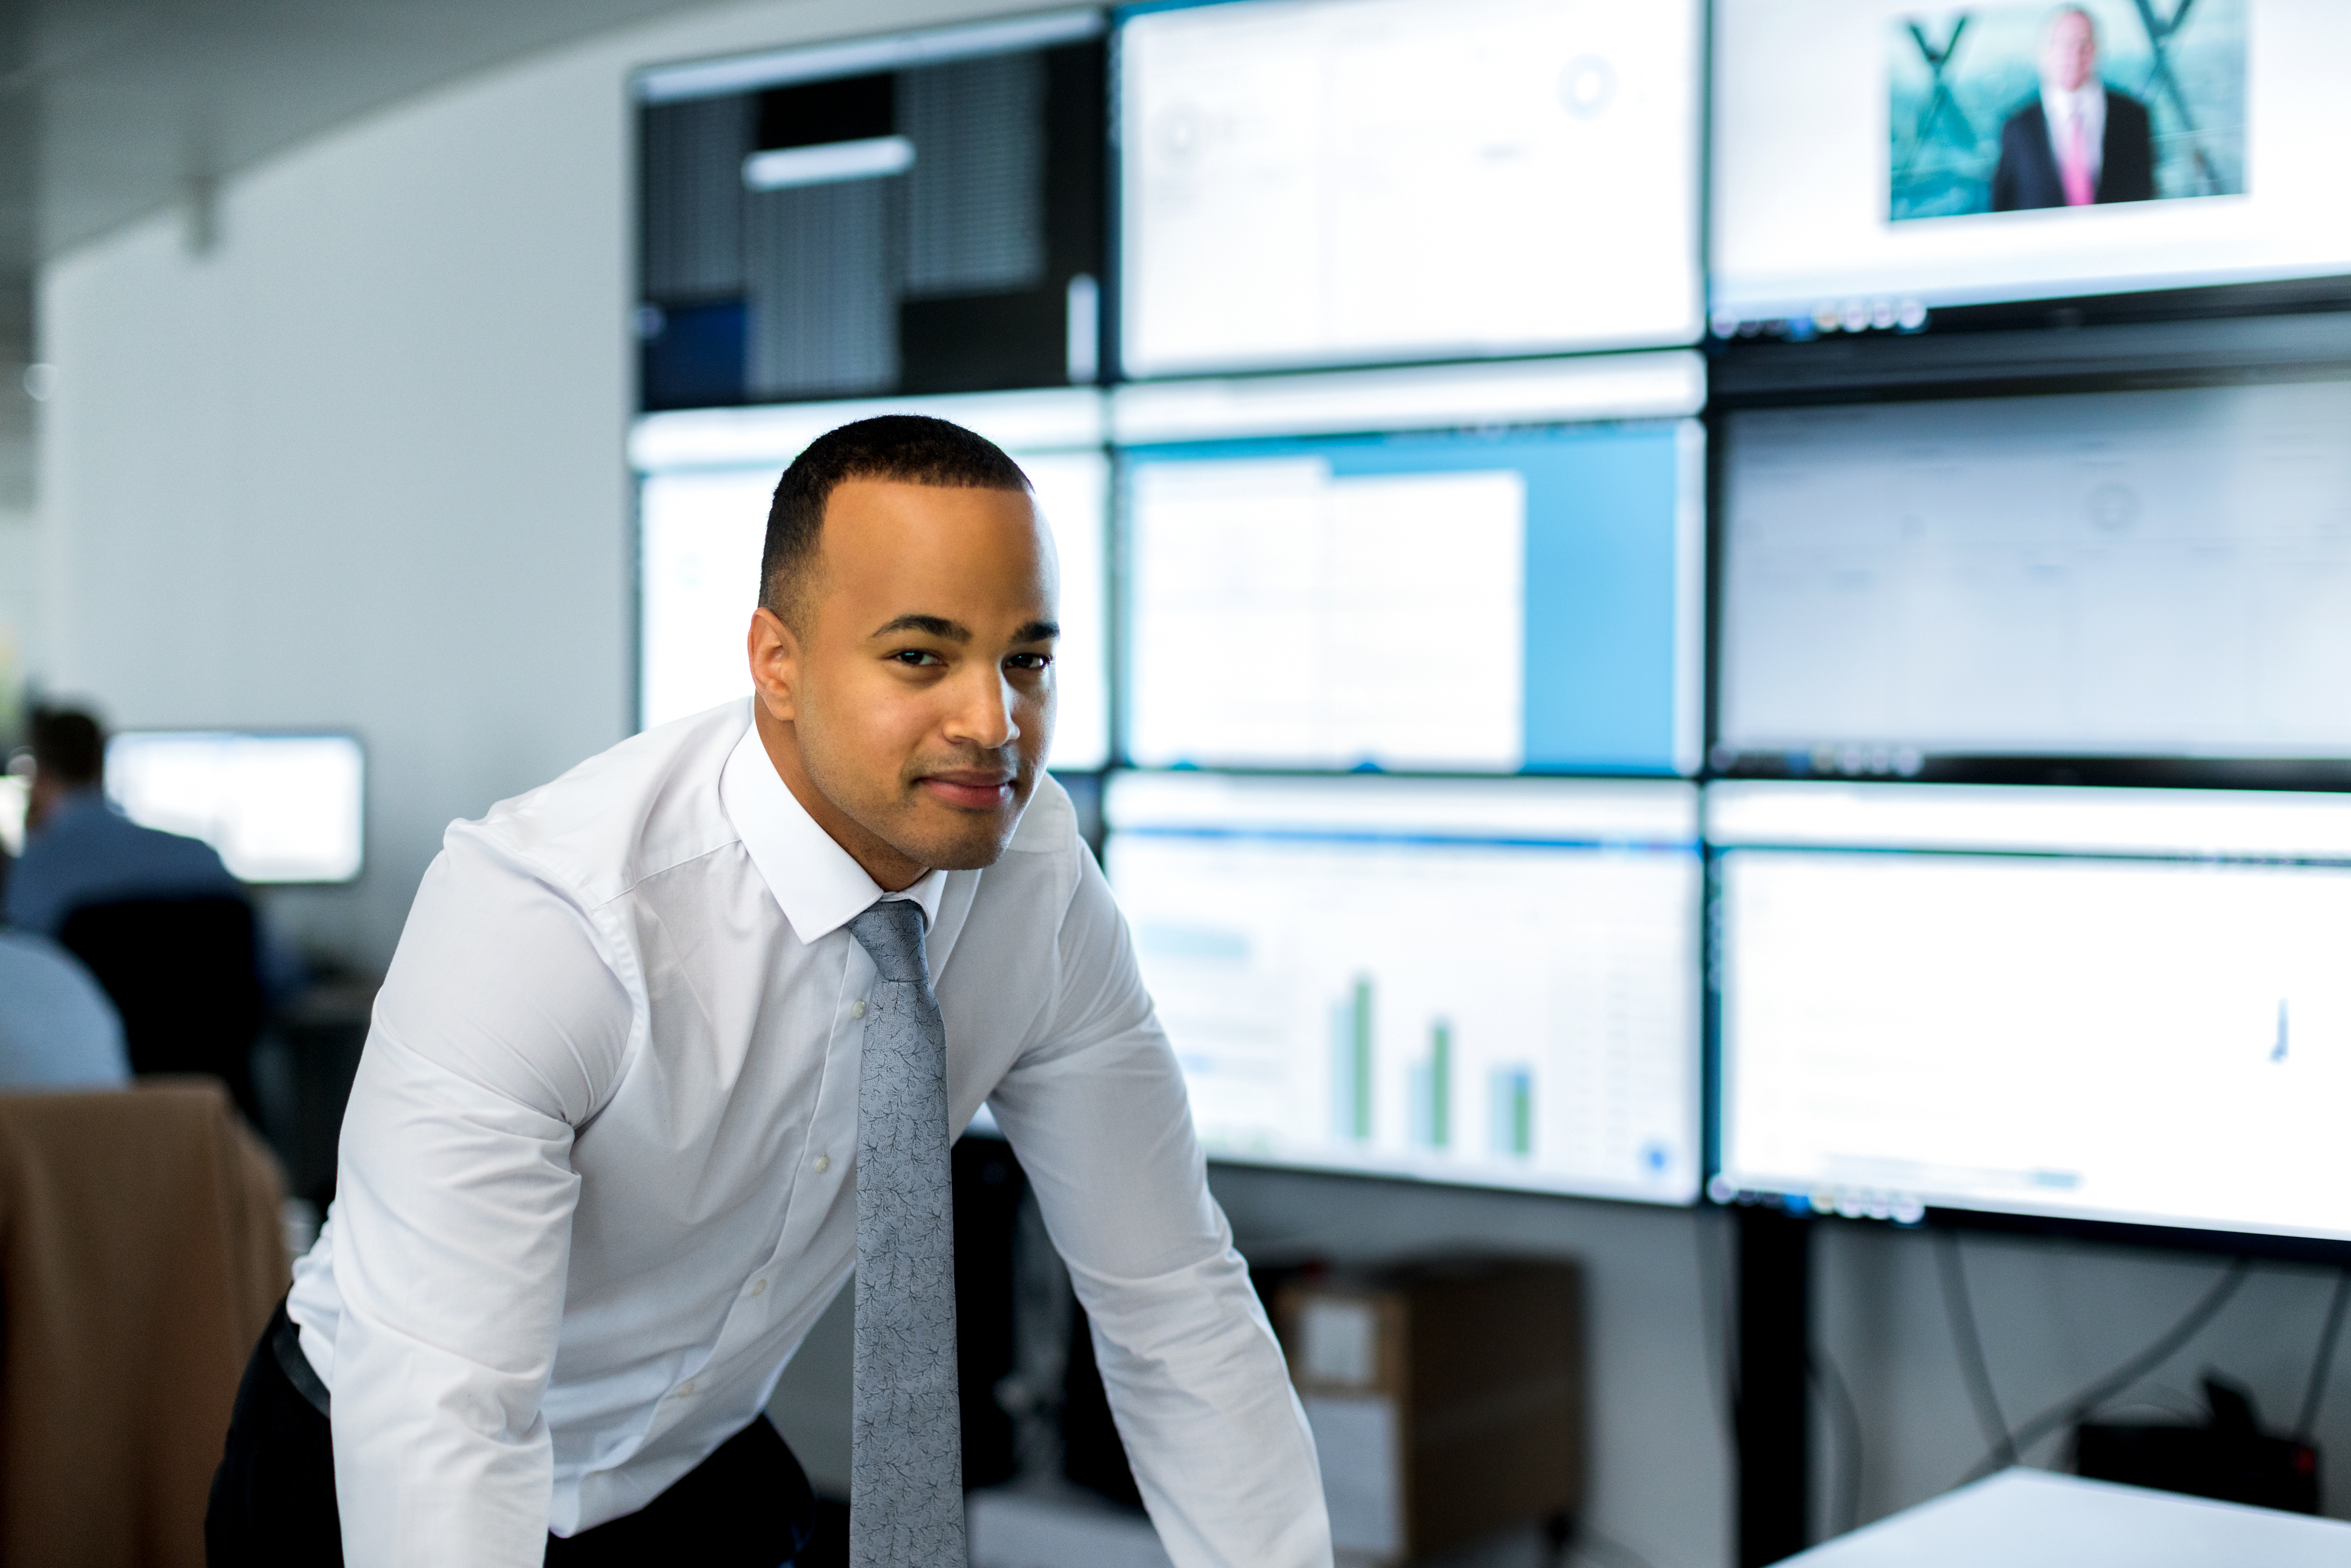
2127 174
498 1031
1097 1111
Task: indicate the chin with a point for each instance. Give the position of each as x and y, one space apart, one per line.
947 840
962 852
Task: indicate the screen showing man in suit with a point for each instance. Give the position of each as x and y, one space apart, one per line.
2017 108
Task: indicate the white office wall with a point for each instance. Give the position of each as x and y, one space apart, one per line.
360 464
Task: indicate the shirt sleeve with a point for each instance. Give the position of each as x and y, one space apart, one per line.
499 1030
1097 1111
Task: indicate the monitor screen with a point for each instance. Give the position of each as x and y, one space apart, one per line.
1528 601
699 537
919 213
1873 153
278 808
2139 574
2127 1005
1348 182
1493 982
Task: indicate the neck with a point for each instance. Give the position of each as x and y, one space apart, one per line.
891 871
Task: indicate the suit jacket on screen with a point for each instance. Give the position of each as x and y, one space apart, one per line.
2027 175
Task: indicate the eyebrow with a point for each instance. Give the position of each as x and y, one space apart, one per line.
957 632
929 625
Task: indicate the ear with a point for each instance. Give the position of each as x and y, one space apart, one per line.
775 653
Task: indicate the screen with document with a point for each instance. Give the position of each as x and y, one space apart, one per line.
2127 1006
1528 601
1484 981
2157 574
1359 182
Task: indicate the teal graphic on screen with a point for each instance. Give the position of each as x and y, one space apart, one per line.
1508 602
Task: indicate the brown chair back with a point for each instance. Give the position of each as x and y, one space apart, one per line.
140 1254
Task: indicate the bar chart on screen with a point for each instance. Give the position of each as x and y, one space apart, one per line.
1511 1003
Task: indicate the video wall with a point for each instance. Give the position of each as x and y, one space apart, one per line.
1484 810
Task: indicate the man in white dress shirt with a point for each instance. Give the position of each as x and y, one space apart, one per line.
598 1173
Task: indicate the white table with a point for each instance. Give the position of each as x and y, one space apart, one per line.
2033 1519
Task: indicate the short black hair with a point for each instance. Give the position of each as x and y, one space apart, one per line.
68 745
909 449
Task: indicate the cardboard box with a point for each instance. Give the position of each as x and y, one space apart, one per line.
1446 1399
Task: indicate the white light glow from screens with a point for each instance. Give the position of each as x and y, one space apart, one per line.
700 534
1492 983
14 795
1819 102
2149 1040
1335 182
278 808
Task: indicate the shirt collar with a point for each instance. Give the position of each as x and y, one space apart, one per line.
819 885
2069 106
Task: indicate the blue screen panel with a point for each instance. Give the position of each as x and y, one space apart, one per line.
1518 601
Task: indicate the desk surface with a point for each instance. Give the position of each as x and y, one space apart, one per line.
2033 1519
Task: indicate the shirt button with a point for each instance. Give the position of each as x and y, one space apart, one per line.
759 1287
857 1009
823 1164
685 1389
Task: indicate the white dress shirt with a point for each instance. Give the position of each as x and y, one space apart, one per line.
598 1172
2087 105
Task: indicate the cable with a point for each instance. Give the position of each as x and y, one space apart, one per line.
2315 1394
1714 1315
1974 1369
1846 1416
2080 1401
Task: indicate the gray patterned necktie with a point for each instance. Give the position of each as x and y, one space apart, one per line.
905 1468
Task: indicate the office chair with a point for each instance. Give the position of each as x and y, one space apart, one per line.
183 974
140 1253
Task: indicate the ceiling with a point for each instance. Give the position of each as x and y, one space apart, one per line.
110 110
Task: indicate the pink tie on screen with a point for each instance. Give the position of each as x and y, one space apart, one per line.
2076 172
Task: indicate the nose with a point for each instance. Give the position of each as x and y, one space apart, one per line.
982 715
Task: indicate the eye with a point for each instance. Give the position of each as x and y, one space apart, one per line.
1029 661
916 658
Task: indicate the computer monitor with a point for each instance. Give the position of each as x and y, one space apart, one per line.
1352 182
913 214
2125 1006
1526 599
1874 159
2153 574
278 808
1493 982
703 518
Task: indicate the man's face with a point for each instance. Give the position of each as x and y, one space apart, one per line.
2069 55
916 695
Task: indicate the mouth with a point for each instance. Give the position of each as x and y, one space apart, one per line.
969 790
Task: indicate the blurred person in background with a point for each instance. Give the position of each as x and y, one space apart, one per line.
2080 143
79 851
57 1028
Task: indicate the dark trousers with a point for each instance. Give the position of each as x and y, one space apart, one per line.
273 1502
